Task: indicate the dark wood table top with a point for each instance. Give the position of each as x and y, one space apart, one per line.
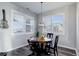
36 40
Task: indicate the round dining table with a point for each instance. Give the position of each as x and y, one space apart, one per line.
41 45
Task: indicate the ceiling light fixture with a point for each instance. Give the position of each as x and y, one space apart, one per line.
41 10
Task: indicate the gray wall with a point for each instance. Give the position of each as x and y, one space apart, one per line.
77 41
69 38
7 41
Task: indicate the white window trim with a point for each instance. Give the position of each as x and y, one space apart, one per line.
25 16
63 22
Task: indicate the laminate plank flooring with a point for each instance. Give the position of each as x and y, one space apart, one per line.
25 51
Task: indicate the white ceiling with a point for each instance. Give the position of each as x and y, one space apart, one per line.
47 6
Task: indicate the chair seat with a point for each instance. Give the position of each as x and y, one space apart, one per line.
52 46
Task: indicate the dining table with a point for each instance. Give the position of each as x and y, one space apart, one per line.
40 45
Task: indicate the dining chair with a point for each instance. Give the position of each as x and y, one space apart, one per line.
35 48
55 46
31 45
47 47
50 35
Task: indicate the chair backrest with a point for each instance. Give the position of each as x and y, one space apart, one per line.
56 41
50 35
28 42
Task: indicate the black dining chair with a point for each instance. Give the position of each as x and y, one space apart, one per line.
50 35
34 47
37 48
55 46
31 45
47 47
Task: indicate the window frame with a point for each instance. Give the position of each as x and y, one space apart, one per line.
30 24
24 16
63 22
52 25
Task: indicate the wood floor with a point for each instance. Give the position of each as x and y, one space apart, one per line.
24 51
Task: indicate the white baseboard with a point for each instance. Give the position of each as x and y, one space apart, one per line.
16 48
27 44
67 47
76 52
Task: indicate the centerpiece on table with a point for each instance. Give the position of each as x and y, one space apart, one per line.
41 39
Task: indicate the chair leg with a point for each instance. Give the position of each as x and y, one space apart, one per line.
57 51
54 53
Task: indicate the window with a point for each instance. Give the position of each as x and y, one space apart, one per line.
18 23
30 25
47 24
53 24
57 22
22 23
